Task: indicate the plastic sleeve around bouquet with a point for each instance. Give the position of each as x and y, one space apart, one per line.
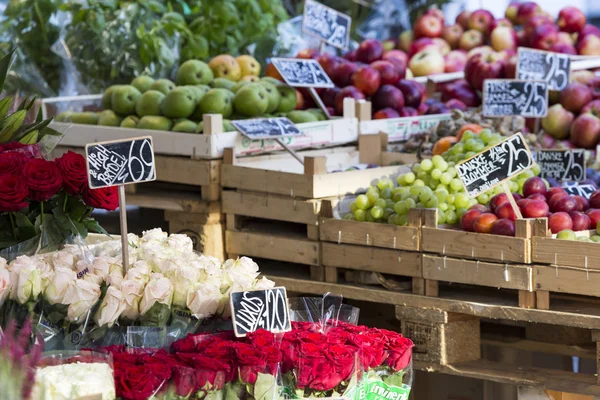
326 310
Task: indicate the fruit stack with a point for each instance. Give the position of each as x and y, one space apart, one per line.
226 85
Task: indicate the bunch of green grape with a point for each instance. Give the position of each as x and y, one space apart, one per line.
432 183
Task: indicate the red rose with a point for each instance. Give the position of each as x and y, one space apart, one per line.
261 338
13 193
185 345
43 178
12 162
400 353
184 379
325 377
288 356
208 371
138 382
371 350
105 198
344 360
74 173
313 350
251 361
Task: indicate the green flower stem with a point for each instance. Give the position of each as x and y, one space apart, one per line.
65 203
42 212
12 223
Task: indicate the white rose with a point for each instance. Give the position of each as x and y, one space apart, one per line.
211 265
29 285
154 234
132 292
115 273
203 300
242 271
139 273
113 304
180 243
95 279
4 284
58 285
46 270
133 240
81 297
64 259
111 248
101 266
14 267
183 280
263 284
3 263
158 290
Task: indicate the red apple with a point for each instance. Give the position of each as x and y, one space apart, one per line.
555 190
503 38
481 20
300 103
369 50
480 68
595 199
584 76
470 39
583 203
523 203
483 50
511 12
594 215
483 223
455 61
505 210
536 21
413 94
350 56
559 221
500 22
442 45
522 38
398 58
554 199
480 207
526 11
367 80
348 91
588 45
437 107
342 73
534 185
537 196
581 222
563 48
329 95
594 85
329 63
590 29
422 109
593 107
504 227
510 67
389 72
557 122
544 36
452 34
463 19
427 62
405 40
497 201
436 12
535 209
585 131
455 104
420 44
386 113
428 26
571 19
575 96
468 219
408 112
308 54
565 38
462 91
566 204
388 96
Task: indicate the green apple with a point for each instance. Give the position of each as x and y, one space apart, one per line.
143 83
238 85
273 94
271 80
288 99
163 85
197 90
109 118
155 123
150 103
86 118
301 117
228 126
566 234
216 101
184 125
124 98
200 127
130 122
317 112
251 101
107 97
194 72
179 103
222 83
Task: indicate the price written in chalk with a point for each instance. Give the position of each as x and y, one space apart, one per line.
327 24
575 189
299 72
260 309
563 165
538 65
266 128
495 165
505 98
120 162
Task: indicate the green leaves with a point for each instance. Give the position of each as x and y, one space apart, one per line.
11 125
4 66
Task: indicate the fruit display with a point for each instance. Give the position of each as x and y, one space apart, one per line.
226 85
569 234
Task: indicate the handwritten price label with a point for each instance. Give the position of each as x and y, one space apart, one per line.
538 65
260 309
326 24
564 165
506 97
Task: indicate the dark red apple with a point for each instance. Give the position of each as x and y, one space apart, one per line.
554 190
481 20
588 45
455 104
480 207
593 107
575 96
526 11
523 203
505 210
348 91
367 80
468 219
420 44
413 94
544 36
451 34
590 29
369 50
536 21
553 201
388 96
455 61
428 26
423 108
535 209
408 112
571 19
537 196
399 59
559 221
463 19
594 85
581 222
585 131
436 12
583 203
350 56
566 204
498 200
342 74
483 223
534 185
595 199
390 74
437 108
328 96
563 48
594 215
329 62
386 113
504 227
480 68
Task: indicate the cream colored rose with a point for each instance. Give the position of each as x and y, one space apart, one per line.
184 279
132 293
242 271
158 290
203 300
4 284
113 304
64 259
180 243
115 273
263 284
155 234
59 284
29 285
94 279
81 297
14 268
139 273
100 266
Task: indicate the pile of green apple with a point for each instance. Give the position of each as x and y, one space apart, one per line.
226 85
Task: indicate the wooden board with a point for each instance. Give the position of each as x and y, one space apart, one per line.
567 280
547 250
507 276
172 201
264 245
372 259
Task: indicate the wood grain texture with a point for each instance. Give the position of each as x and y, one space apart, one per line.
567 280
262 245
546 250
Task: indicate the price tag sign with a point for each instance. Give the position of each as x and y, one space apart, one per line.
495 165
260 309
575 189
120 162
299 72
506 97
539 65
327 24
564 165
266 128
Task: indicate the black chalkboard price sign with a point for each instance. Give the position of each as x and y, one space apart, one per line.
539 65
260 309
563 165
266 128
506 97
495 165
575 189
327 24
299 72
120 162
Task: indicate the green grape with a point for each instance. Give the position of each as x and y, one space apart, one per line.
389 203
372 189
401 180
373 197
456 184
441 186
460 212
386 193
458 148
513 186
391 219
451 199
418 182
468 155
537 170
498 189
360 215
401 220
452 207
486 135
409 177
452 171
443 206
478 147
406 196
432 184
441 194
396 197
353 206
416 190
436 173
472 202
483 198
349 216
381 203
401 207
362 202
426 165
470 144
521 182
387 212
411 203
385 183
431 202
416 168
377 212
441 216
451 217
439 163
422 175
369 217
526 174
420 205
446 178
461 200
467 135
